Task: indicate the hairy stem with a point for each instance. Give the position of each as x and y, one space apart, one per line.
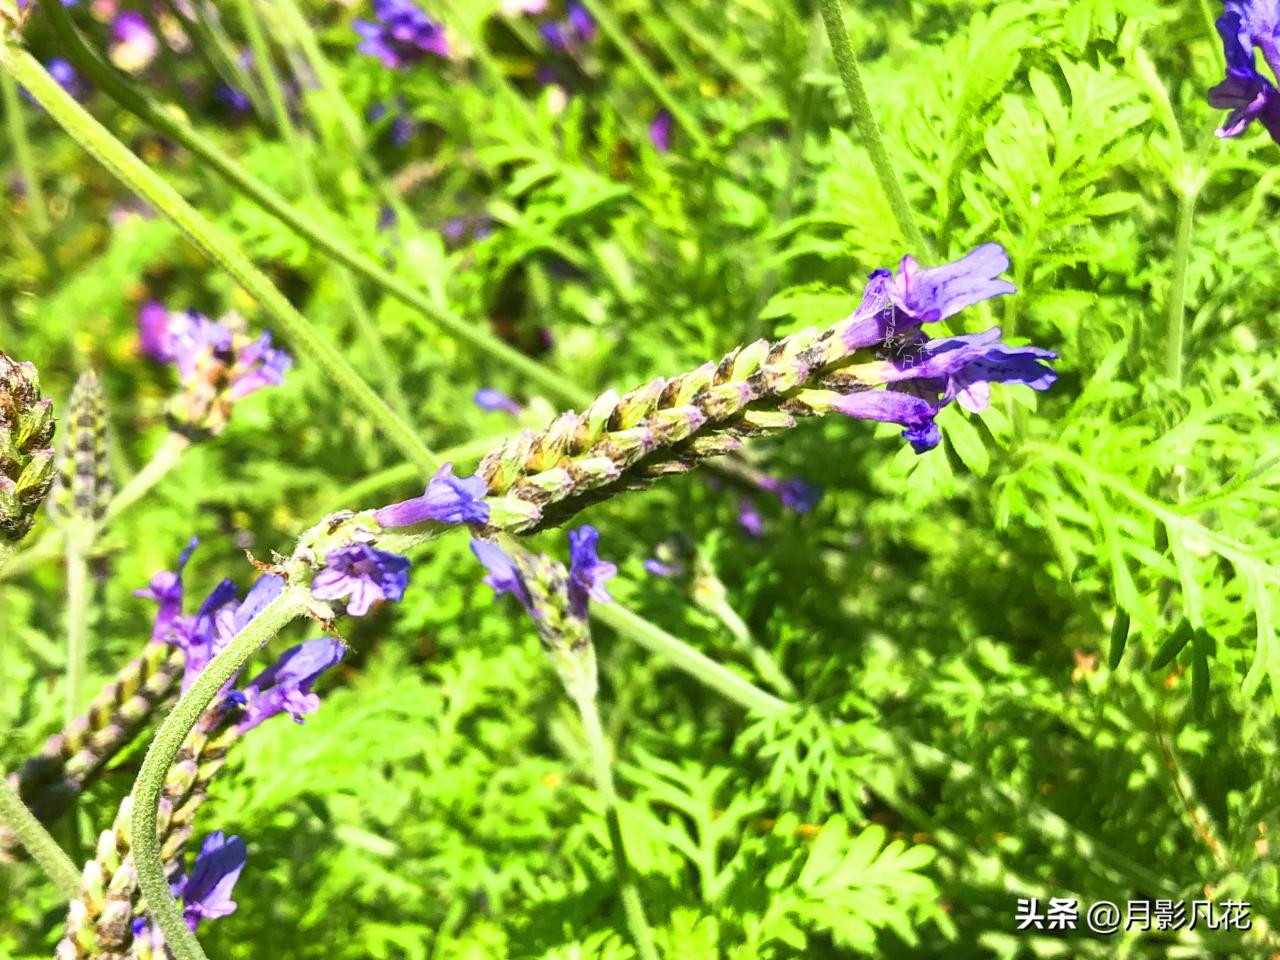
164 748
35 839
868 128
17 127
77 622
211 241
602 771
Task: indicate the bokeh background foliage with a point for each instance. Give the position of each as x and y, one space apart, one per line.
961 740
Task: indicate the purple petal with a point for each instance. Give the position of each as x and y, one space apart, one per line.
941 292
587 572
206 894
447 499
504 576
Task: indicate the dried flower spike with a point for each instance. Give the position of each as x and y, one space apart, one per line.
83 488
26 451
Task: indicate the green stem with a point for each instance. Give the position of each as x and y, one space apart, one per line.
702 668
166 457
212 241
760 658
602 770
22 153
164 750
327 242
77 622
1176 320
603 15
868 128
35 839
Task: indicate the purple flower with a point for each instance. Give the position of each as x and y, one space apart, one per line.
504 576
660 131
896 305
933 373
133 45
206 893
67 78
447 499
402 35
581 23
236 99
487 398
660 569
587 572
362 574
890 406
404 126
963 368
749 518
256 366
285 686
1245 91
166 590
571 33
202 636
218 364
797 495
154 332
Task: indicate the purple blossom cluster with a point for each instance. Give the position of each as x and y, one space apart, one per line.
284 687
928 374
587 574
401 34
205 893
218 363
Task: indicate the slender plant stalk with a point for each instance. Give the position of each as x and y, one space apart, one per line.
77 547
167 456
35 839
760 658
164 749
327 242
602 771
618 37
868 128
1176 320
17 127
699 666
210 240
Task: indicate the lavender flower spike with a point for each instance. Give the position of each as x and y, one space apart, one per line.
285 686
447 499
1244 91
363 575
206 893
402 35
